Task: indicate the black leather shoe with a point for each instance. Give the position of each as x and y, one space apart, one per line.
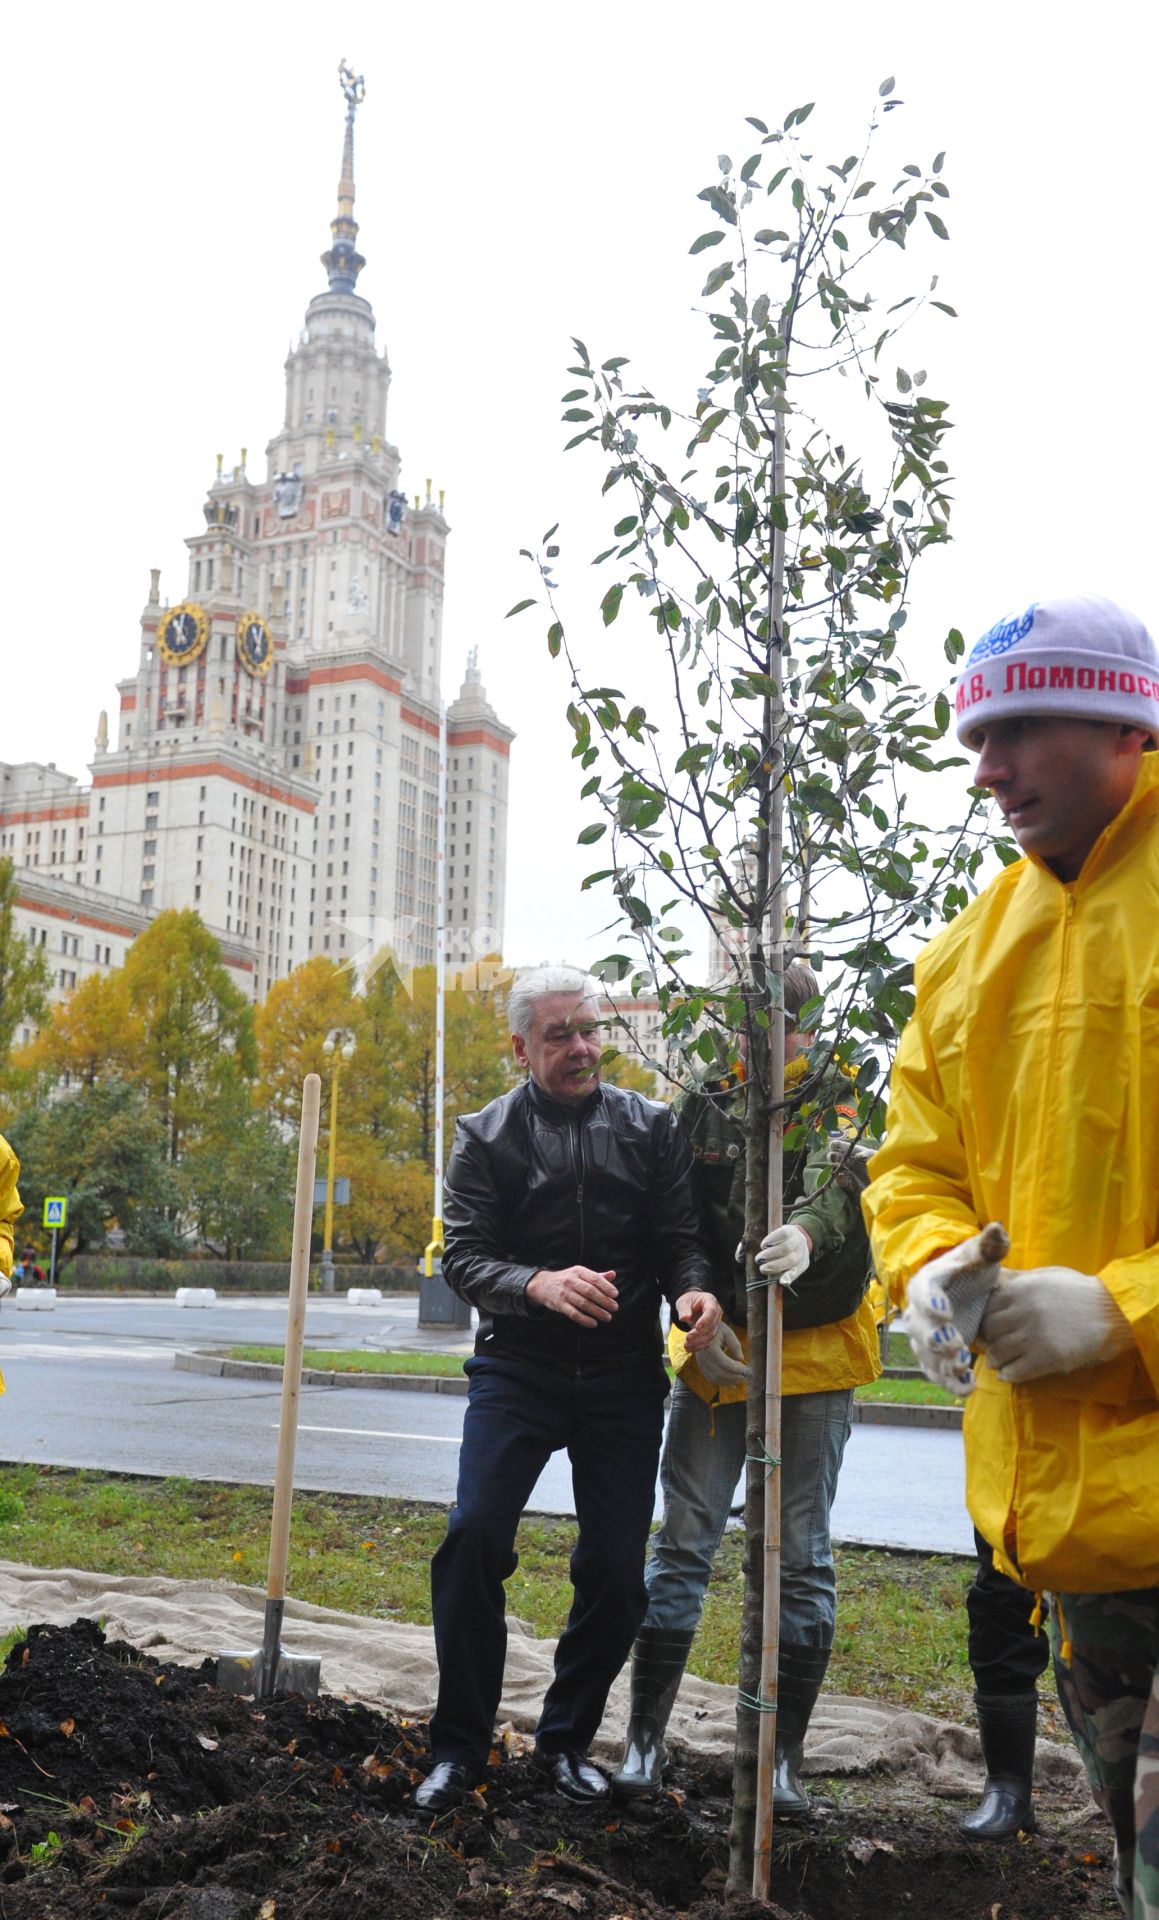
444 1787
573 1775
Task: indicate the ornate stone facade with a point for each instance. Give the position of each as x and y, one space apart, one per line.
277 759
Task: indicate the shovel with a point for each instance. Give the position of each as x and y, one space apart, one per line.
271 1669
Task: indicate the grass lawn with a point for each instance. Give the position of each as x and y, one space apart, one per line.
921 1393
901 1632
908 1393
329 1360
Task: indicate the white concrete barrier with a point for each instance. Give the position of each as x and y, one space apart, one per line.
364 1296
195 1296
36 1299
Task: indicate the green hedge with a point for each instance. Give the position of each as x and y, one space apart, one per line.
97 1273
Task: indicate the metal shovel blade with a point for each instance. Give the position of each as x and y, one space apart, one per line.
251 1673
270 1671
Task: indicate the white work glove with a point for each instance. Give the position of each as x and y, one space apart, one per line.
722 1360
783 1255
1051 1320
5 1285
956 1284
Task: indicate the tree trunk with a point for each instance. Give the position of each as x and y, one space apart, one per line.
750 1839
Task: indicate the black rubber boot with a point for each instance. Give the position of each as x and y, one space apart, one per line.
658 1662
1007 1723
800 1674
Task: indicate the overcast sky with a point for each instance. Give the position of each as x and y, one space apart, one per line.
526 173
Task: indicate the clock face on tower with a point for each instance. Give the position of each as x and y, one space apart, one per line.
255 644
182 633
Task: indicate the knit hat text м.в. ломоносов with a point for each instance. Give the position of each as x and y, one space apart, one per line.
1083 659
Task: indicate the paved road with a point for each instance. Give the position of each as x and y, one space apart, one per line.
92 1384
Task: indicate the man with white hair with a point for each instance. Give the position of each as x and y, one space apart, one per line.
1015 1203
569 1219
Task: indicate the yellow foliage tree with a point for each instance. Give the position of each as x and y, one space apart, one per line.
389 1214
292 1024
91 1036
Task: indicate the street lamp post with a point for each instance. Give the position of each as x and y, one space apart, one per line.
337 1046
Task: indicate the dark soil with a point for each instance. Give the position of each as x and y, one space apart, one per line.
129 1787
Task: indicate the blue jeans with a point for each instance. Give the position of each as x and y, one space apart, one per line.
704 1456
517 1416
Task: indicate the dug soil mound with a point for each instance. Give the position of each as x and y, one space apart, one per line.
133 1787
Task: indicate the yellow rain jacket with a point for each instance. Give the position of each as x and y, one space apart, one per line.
10 1211
1026 1090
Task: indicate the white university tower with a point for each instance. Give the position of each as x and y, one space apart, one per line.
277 761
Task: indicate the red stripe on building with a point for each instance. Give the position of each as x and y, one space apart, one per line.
128 702
7 819
480 738
412 719
75 918
201 772
328 676
70 914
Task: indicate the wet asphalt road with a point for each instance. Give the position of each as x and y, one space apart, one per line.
93 1384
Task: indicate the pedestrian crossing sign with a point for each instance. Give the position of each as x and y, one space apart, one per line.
56 1211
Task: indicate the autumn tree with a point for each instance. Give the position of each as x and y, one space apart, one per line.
398 1026
389 1213
169 1022
291 1026
386 1108
24 976
194 1025
238 1177
764 567
87 1037
105 1149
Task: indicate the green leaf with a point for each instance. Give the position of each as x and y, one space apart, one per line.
610 604
706 240
554 639
717 278
577 393
938 225
758 124
578 413
886 87
520 606
746 174
595 832
614 364
943 308
625 526
942 712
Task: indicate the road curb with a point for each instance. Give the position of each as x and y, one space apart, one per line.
216 1364
868 1413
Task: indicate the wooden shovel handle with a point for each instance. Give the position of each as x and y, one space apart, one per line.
295 1335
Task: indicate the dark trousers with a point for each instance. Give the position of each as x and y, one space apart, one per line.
1006 1654
516 1418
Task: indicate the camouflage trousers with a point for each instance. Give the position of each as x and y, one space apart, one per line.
1109 1687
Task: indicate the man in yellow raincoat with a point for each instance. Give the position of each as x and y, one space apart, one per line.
1026 1093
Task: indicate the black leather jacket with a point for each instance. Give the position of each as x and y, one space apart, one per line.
533 1184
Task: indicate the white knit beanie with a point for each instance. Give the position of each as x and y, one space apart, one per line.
1083 659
